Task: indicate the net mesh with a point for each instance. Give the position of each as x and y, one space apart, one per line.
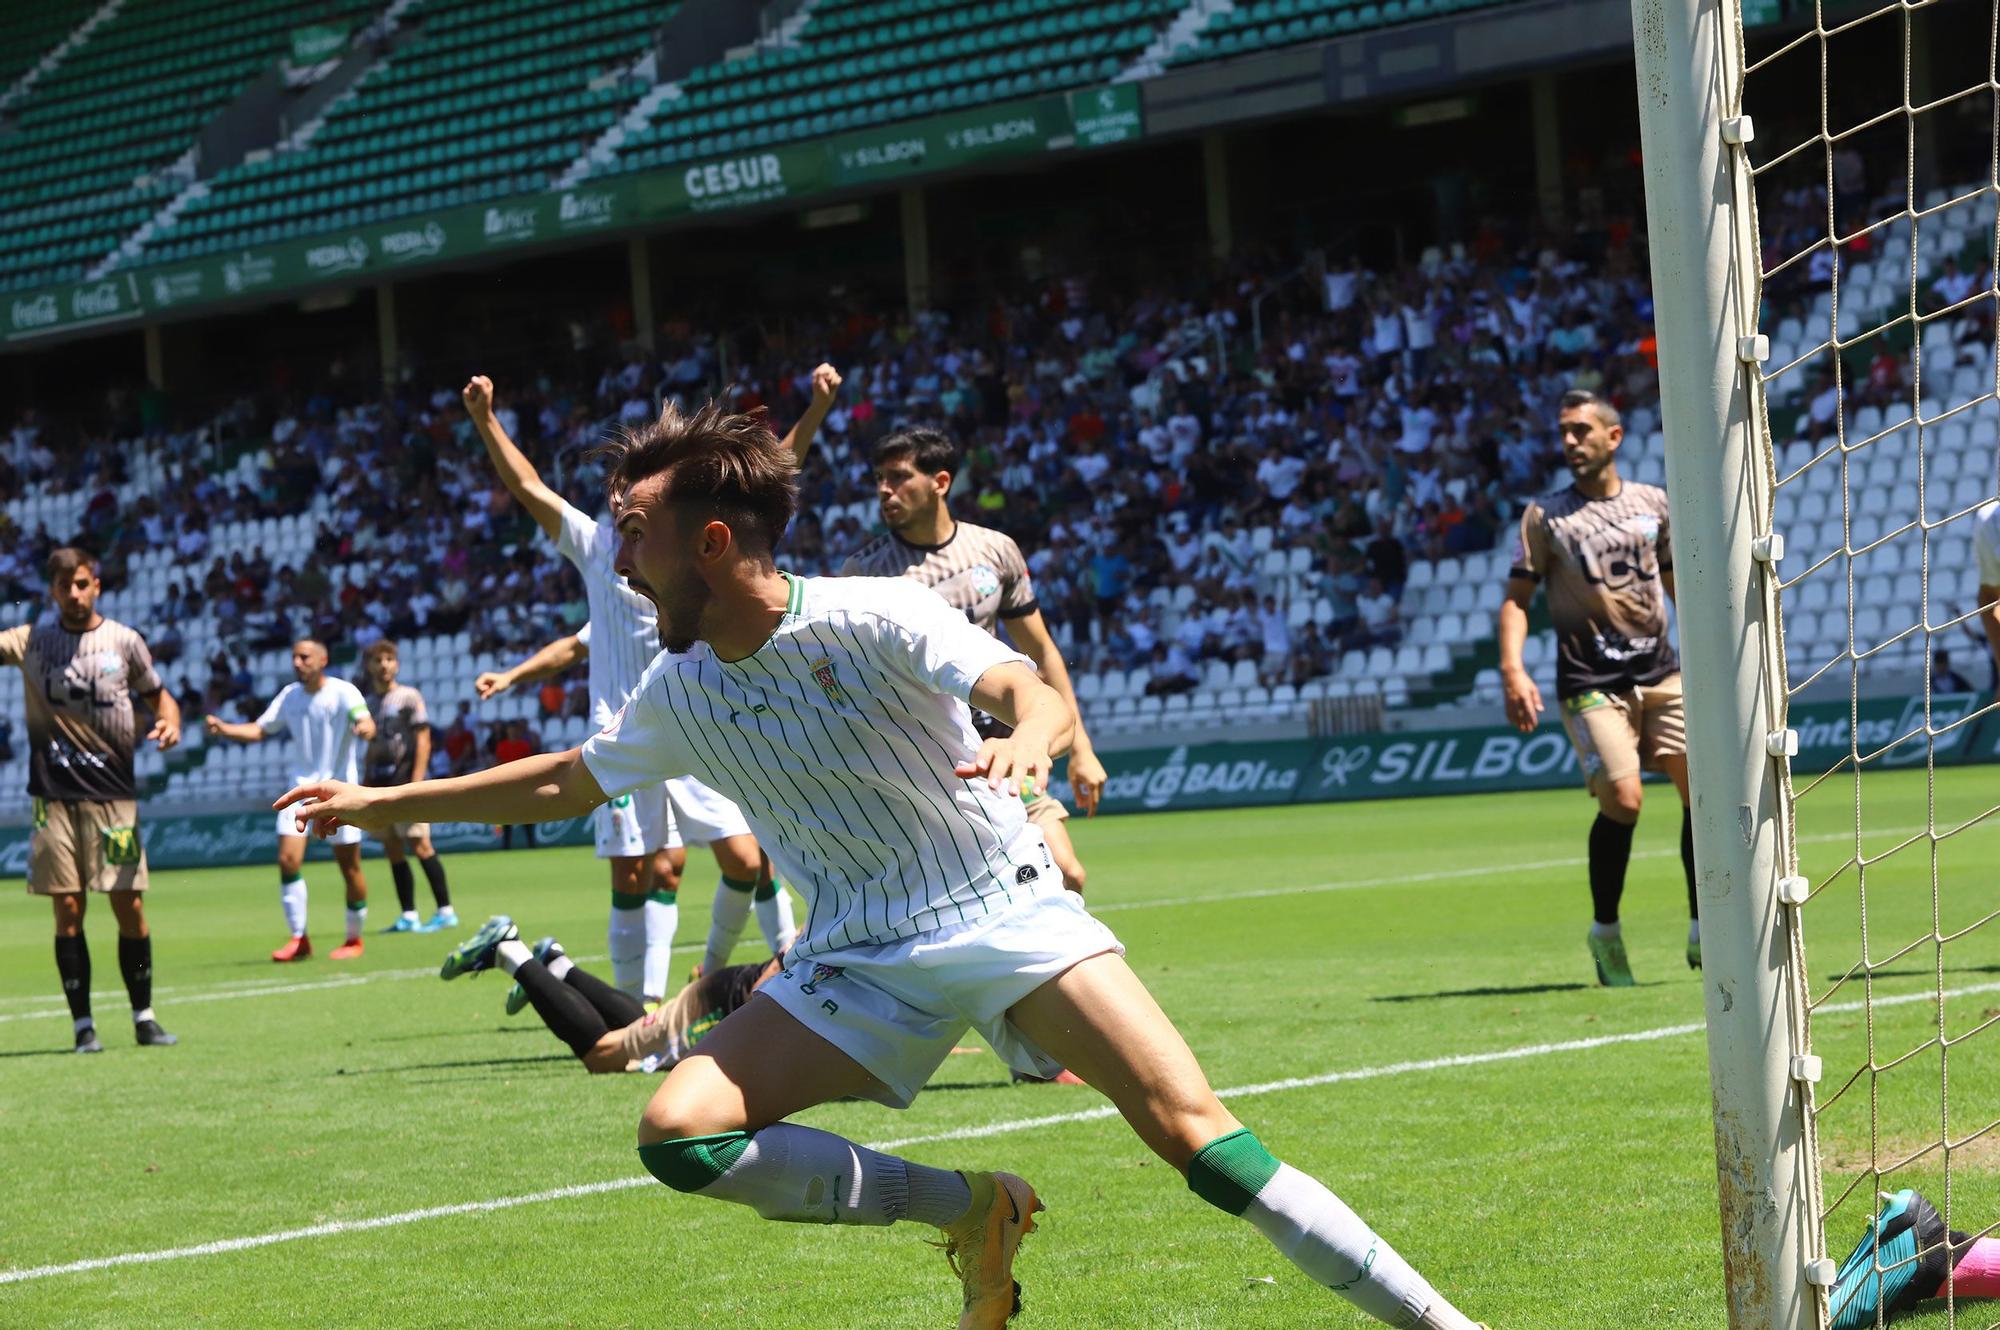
1875 169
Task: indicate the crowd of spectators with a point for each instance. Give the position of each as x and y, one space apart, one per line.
1130 441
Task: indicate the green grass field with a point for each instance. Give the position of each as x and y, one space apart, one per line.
1351 947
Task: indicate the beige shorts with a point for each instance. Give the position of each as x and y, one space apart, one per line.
410 831
1616 735
1045 809
83 845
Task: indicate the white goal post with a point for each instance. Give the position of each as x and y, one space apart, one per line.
1701 228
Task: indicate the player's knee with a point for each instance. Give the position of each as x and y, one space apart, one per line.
1621 800
690 1163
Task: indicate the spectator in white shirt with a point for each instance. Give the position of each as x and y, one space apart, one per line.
1380 625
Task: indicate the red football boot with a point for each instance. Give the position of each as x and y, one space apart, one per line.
298 949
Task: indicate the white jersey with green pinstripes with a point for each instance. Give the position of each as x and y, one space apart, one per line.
838 739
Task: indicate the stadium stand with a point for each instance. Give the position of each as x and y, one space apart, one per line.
97 133
483 100
1263 24
1203 533
855 63
29 33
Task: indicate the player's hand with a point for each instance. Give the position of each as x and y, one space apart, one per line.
1524 700
826 386
491 684
1009 765
364 728
213 724
166 733
333 804
478 396
1086 779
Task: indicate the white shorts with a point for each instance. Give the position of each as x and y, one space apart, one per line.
701 816
632 825
899 1009
288 825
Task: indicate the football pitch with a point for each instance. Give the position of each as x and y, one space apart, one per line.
1396 996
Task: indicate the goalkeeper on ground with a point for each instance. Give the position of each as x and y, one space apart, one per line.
1906 1258
605 1027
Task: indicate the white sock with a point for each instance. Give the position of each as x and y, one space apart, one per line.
82 1023
725 922
627 941
357 917
809 1176
774 920
1605 930
293 895
511 953
1694 930
559 966
662 918
142 1014
1321 1236
410 916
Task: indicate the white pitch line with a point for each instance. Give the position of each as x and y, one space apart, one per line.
1005 1127
234 988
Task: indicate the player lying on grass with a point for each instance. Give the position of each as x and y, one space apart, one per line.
835 711
696 816
608 1030
1907 1258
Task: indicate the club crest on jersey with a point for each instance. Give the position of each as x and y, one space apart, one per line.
822 672
1646 525
985 581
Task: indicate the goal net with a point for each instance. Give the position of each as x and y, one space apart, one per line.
1829 182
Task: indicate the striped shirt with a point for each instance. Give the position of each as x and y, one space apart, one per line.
838 737
79 687
624 633
321 726
979 571
1602 560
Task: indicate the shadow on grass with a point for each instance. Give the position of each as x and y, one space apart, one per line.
1922 974
1521 990
43 1053
483 1064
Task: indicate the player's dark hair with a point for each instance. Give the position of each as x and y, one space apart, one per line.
64 562
929 450
729 466
379 647
1607 414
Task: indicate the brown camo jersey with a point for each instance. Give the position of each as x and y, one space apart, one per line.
1601 560
81 723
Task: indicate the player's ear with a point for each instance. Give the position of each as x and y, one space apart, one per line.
942 480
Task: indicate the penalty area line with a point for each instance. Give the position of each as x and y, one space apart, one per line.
337 1228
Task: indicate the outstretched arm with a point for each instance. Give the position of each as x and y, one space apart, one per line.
535 789
1086 773
517 473
554 658
242 731
826 386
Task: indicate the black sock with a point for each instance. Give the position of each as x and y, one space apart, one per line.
1687 859
617 1007
406 886
434 874
1610 851
135 962
566 1012
73 964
